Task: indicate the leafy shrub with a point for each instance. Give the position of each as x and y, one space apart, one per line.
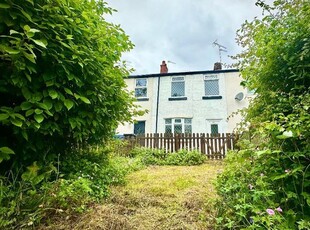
266 185
59 83
185 157
263 189
79 179
160 157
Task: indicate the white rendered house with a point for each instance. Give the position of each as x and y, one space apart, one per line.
187 102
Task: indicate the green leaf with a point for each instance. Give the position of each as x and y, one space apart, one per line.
84 99
25 135
6 150
14 32
29 112
30 57
53 94
26 15
26 93
58 106
68 103
26 28
4 6
68 91
17 122
3 116
38 111
39 117
9 50
41 43
5 153
34 30
26 105
48 103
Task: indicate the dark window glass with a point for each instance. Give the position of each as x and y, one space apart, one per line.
139 128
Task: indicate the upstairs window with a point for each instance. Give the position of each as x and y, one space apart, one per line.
177 87
211 86
178 125
141 88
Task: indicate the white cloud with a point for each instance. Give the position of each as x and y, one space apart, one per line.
181 31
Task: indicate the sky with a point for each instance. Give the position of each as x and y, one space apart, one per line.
181 32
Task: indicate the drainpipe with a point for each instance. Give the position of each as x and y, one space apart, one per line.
163 70
157 104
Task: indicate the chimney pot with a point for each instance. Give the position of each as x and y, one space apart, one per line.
163 67
217 66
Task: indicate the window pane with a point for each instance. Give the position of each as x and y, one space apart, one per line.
141 82
178 79
178 128
177 89
188 128
140 92
212 87
187 120
168 121
168 129
139 127
214 129
177 121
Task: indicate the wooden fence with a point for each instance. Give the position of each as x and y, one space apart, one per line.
215 146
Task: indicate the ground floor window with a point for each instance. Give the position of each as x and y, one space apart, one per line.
178 125
139 127
214 126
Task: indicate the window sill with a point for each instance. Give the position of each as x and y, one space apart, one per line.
211 97
142 99
177 98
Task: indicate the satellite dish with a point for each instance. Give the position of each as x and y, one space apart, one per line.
239 96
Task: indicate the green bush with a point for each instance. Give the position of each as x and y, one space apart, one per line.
59 82
67 186
263 190
160 157
185 157
266 185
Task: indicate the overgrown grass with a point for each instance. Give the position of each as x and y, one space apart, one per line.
68 185
158 197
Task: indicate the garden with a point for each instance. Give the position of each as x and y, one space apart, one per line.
62 95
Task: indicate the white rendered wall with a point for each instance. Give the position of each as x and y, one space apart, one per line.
203 112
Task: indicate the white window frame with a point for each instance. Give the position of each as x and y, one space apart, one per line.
174 80
141 87
184 122
211 78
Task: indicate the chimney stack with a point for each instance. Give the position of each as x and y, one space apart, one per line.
217 66
163 67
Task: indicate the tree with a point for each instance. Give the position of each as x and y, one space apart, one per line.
60 82
266 184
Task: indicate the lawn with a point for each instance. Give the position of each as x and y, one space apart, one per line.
158 197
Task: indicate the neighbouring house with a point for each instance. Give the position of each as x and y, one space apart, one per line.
187 102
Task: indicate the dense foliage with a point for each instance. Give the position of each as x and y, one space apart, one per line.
266 184
61 90
61 81
82 178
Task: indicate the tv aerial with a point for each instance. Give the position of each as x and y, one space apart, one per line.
221 49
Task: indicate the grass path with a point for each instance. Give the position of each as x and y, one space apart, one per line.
159 197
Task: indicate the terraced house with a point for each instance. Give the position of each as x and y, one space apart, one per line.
187 102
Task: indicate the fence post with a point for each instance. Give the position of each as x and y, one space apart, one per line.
176 142
202 143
